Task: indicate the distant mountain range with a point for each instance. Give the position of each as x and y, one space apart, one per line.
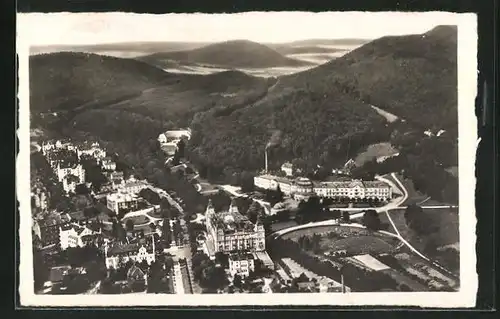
232 54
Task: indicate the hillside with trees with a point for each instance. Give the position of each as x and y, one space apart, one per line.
323 115
412 76
232 54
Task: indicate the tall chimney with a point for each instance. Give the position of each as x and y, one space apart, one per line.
342 282
266 159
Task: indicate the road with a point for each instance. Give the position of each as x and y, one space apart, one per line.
385 209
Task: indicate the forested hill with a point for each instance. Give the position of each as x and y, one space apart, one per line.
233 54
412 76
66 80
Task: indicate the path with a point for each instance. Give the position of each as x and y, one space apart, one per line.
388 116
178 282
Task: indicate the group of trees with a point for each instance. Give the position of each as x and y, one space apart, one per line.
313 210
207 273
418 221
371 220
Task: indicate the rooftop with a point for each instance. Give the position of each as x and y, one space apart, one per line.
241 256
121 197
350 184
118 249
231 220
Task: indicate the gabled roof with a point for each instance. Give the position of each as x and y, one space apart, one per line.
135 272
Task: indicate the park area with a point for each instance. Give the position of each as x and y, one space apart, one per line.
355 241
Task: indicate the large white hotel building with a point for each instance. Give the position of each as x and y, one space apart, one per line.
302 187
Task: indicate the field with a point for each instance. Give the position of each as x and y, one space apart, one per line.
374 151
441 245
355 240
359 245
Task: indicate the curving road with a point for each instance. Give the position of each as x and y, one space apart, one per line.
385 209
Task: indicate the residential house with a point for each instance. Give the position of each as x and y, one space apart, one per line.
287 168
122 201
108 164
136 279
117 254
241 264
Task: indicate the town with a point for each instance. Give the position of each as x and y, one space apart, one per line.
107 232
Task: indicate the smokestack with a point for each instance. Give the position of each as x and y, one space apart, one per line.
265 152
342 282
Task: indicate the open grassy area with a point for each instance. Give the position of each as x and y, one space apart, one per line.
138 220
360 245
375 151
354 240
436 245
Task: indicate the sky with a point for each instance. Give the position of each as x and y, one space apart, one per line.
40 29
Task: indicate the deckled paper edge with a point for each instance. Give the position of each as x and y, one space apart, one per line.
465 297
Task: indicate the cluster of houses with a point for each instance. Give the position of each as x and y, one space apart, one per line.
64 157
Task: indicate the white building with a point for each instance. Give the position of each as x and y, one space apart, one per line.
65 169
354 189
91 149
71 235
108 164
287 168
117 201
301 187
70 182
241 264
134 252
229 231
174 135
131 186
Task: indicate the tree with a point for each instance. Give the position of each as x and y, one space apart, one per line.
336 214
82 189
129 224
152 226
237 281
166 232
90 212
346 217
371 220
40 269
213 277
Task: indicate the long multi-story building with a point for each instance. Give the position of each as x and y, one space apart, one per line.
302 188
229 231
354 190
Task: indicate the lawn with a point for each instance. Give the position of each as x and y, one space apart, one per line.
138 220
354 240
444 239
359 245
375 151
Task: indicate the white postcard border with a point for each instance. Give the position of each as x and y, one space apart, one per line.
465 297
